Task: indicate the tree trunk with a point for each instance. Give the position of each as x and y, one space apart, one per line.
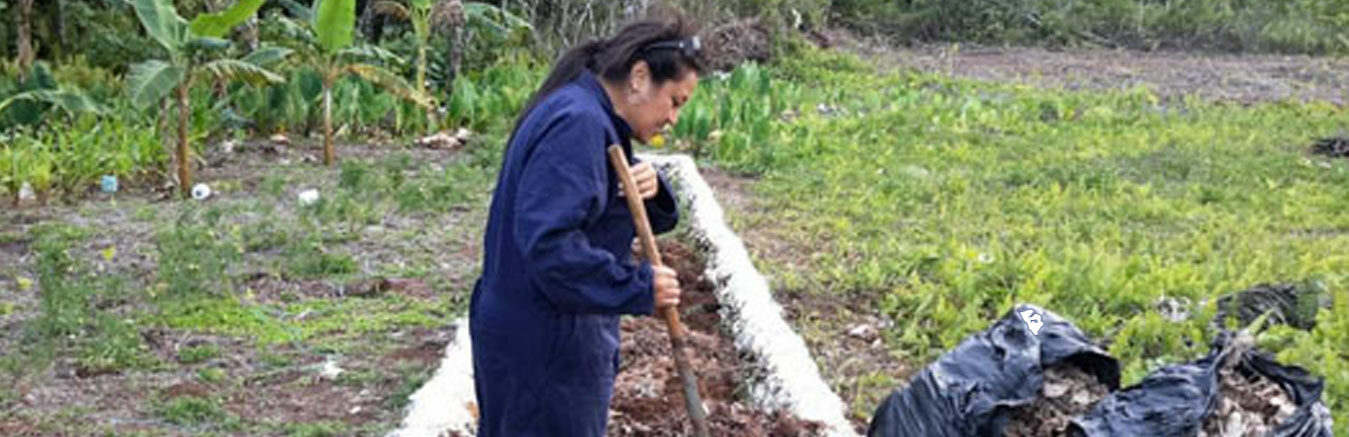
25 41
456 53
184 151
162 124
328 151
421 83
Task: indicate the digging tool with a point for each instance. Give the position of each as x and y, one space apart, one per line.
692 401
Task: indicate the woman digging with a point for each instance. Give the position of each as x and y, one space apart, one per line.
556 272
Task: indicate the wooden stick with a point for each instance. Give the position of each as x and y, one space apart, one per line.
678 346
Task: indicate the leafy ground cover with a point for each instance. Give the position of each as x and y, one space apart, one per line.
900 211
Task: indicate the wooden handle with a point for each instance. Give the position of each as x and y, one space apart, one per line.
692 400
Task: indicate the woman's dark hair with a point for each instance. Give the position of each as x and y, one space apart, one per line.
612 58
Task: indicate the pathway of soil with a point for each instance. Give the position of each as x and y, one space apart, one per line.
648 399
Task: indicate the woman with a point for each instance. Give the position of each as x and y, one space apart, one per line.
556 273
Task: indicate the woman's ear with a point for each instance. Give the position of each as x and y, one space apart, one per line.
639 78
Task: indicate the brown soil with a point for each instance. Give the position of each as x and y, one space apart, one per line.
1067 392
734 43
1249 405
648 398
1244 78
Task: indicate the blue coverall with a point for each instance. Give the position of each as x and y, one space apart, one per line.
556 271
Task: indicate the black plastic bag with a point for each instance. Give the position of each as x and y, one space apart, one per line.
1294 305
972 389
1175 400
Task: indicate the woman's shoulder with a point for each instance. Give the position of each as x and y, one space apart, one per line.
570 102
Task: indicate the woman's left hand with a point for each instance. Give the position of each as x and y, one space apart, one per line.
647 182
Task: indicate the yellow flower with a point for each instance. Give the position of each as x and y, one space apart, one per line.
24 283
658 140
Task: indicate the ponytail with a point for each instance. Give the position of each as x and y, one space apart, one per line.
612 58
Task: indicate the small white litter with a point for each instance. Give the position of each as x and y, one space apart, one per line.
308 197
330 369
201 191
26 192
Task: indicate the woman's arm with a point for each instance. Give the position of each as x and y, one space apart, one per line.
562 183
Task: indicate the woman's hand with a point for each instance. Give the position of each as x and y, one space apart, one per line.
645 177
666 284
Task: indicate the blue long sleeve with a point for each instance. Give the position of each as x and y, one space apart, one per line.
563 186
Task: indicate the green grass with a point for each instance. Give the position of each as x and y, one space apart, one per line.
198 413
945 202
198 354
211 375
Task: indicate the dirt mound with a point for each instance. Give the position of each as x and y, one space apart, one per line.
648 398
1337 147
734 43
1067 392
1248 405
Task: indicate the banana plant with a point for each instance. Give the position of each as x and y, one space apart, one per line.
72 101
190 47
428 16
418 12
326 43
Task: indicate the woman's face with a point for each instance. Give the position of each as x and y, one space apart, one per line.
651 108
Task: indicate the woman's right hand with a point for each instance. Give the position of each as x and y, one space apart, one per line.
666 284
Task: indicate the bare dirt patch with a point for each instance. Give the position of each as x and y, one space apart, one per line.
737 42
1243 78
648 399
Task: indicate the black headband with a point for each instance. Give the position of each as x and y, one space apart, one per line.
687 47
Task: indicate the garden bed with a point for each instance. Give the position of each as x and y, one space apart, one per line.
648 398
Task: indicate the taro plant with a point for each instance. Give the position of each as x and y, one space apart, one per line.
190 47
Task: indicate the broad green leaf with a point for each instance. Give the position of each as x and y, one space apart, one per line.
236 69
69 101
391 82
162 22
309 83
151 80
498 19
218 24
334 22
420 4
267 56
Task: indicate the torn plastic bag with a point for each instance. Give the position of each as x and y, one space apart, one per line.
1175 400
1290 304
973 389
